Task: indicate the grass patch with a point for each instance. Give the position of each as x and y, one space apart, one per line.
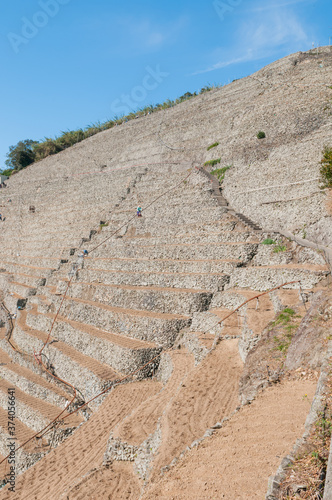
282 345
103 224
285 316
268 241
279 248
220 172
214 145
287 320
326 168
212 163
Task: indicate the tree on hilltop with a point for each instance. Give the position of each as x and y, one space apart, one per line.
21 155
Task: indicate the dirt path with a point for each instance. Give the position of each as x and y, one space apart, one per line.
79 454
237 461
193 399
206 395
143 421
116 483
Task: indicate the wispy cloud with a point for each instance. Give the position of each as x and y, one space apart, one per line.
223 64
148 34
262 35
273 6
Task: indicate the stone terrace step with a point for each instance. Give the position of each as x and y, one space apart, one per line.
207 322
234 297
157 214
87 374
21 289
265 277
182 251
17 268
149 326
224 224
206 281
192 239
183 217
35 262
190 197
31 281
150 298
122 353
190 202
31 411
30 382
159 265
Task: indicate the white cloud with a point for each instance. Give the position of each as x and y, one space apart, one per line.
273 6
223 64
261 35
147 34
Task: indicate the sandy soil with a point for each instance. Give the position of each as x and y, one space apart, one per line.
193 399
116 483
143 421
206 395
237 461
59 471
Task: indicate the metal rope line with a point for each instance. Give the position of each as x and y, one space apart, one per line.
246 302
102 243
47 428
169 350
38 358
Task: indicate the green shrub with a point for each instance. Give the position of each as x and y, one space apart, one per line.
21 155
261 135
8 172
279 248
47 148
212 163
268 241
326 168
220 172
214 145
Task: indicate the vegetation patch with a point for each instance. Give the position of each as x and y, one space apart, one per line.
326 168
212 163
261 135
220 172
279 248
288 322
214 145
269 241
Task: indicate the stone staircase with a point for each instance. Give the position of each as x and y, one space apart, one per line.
173 274
163 281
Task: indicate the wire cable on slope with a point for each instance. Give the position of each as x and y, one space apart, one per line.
105 391
38 356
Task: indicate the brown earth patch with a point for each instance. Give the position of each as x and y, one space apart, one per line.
237 461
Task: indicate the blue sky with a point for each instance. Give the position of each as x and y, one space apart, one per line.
69 63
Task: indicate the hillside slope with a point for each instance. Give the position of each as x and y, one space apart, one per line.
156 289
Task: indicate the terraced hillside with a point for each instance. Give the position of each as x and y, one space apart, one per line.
157 289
